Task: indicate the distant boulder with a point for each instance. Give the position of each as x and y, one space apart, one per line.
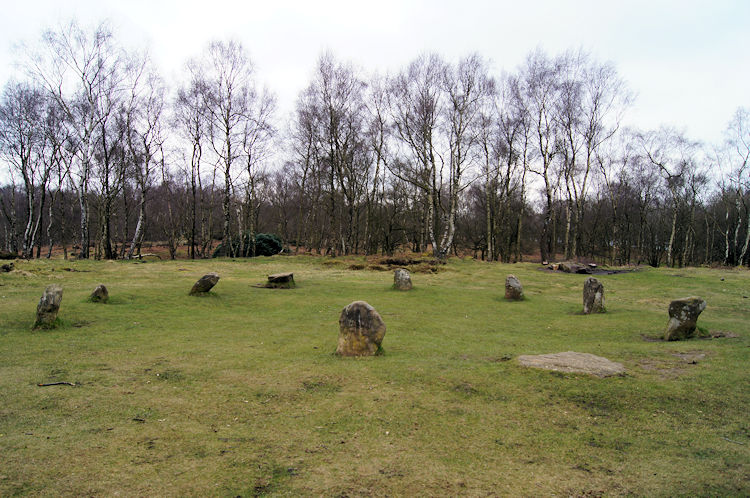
683 318
361 330
572 267
204 284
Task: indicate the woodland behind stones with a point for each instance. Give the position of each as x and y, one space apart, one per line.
535 161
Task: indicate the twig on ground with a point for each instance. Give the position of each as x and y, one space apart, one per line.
731 441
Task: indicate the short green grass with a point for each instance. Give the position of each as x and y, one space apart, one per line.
239 393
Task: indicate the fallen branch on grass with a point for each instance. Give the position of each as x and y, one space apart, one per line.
141 256
731 441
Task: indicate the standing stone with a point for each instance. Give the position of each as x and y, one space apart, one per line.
683 317
593 296
402 279
100 294
361 330
204 284
49 305
281 281
513 288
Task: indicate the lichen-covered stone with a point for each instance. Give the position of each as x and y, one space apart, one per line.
573 362
593 296
513 288
683 318
361 330
204 284
402 279
100 294
48 307
281 281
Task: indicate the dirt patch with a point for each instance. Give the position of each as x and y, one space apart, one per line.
413 264
716 334
691 357
465 388
591 271
665 368
573 362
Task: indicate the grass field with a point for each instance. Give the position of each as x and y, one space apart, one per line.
239 393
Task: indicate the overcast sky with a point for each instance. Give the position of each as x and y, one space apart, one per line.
688 61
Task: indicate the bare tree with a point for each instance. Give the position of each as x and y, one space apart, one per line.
145 137
24 145
190 118
78 69
230 95
671 153
540 76
737 153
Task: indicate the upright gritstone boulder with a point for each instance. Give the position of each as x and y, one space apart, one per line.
683 318
100 294
204 284
402 279
361 330
593 296
513 288
281 281
49 305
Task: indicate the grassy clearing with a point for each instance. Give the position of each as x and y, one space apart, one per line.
238 393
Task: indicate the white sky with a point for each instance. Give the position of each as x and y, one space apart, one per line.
688 61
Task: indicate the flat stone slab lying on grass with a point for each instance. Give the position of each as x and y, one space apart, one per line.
573 362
